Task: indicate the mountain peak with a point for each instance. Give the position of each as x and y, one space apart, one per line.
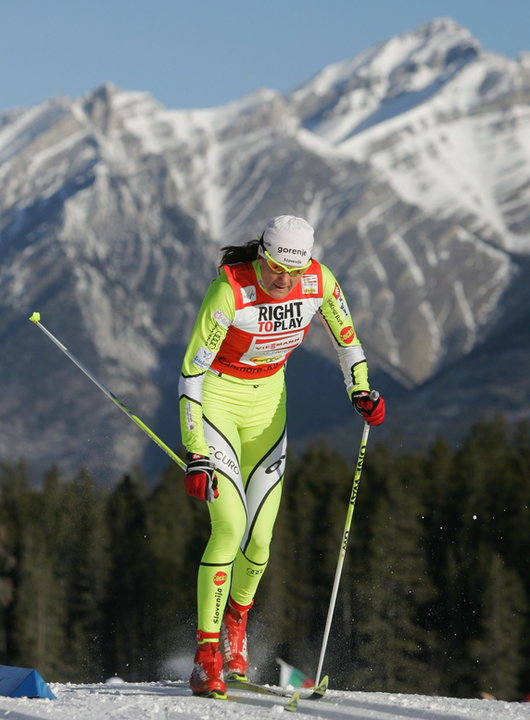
107 102
105 91
438 45
443 24
444 37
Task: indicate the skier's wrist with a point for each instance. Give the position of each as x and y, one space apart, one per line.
370 406
200 480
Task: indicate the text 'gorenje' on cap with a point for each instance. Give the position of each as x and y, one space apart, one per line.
289 240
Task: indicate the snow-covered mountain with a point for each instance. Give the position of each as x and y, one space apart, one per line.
443 122
412 160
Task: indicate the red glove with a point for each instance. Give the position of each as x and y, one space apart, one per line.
370 405
200 480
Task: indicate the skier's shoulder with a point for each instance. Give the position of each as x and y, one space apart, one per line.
220 283
219 295
237 272
329 281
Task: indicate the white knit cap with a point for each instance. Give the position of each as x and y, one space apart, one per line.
289 240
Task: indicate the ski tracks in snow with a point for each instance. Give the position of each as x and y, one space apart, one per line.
163 701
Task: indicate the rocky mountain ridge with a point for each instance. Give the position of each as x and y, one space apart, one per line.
412 161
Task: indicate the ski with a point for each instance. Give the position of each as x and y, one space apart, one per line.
268 700
271 691
292 704
315 693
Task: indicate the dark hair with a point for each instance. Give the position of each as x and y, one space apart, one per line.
240 253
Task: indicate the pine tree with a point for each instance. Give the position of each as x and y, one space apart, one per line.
177 531
83 569
294 594
125 606
479 497
518 530
37 621
7 564
499 649
393 646
440 527
37 613
434 594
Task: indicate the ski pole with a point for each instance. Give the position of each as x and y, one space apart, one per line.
356 480
35 318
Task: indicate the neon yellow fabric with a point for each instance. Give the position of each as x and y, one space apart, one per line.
214 318
338 321
240 424
245 430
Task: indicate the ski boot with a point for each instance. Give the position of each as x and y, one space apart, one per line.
234 640
207 674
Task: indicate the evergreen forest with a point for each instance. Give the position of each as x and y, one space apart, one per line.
434 596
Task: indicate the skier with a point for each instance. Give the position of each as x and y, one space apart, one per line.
232 417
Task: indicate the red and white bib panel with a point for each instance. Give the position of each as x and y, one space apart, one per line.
264 331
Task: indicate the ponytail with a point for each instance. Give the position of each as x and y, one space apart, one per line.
240 253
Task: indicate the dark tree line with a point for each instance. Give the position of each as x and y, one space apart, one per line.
434 596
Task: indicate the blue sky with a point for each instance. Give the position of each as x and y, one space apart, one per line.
202 53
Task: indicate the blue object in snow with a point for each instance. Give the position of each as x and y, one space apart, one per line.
23 682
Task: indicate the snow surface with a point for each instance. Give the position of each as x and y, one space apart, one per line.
173 701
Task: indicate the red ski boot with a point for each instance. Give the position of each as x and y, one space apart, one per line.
234 640
207 674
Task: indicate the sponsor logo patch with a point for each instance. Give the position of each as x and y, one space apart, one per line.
214 338
254 572
220 317
275 318
189 417
203 358
248 294
293 251
265 360
223 460
337 294
347 334
333 309
310 284
272 346
219 578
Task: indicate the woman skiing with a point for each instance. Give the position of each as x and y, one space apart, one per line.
232 415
